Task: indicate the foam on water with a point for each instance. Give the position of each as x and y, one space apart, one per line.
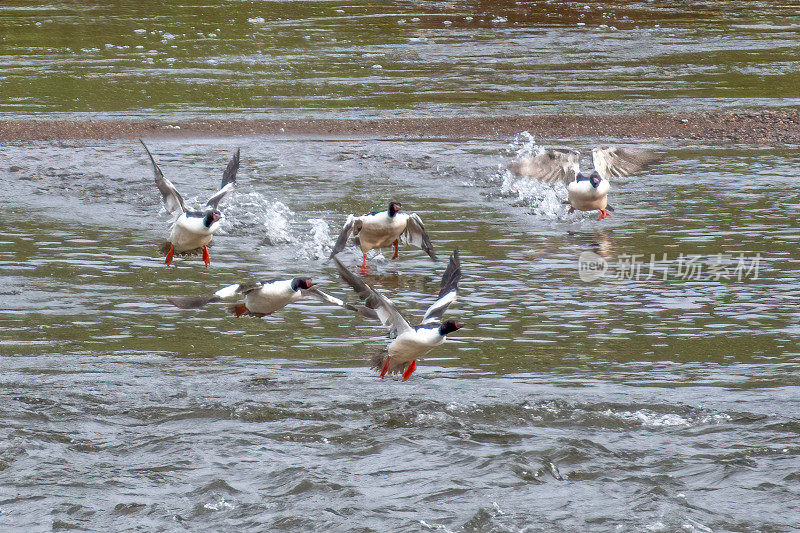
651 419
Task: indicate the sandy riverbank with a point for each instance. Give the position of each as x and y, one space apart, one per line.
777 126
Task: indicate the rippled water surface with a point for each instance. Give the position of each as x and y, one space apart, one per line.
412 58
623 404
661 396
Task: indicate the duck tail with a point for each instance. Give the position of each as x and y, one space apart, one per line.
163 248
379 359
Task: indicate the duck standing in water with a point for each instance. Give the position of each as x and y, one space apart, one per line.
260 298
408 343
384 228
192 230
586 192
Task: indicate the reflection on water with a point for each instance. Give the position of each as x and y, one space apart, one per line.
323 58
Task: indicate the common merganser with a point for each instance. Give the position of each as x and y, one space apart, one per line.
384 228
586 192
192 230
408 343
260 298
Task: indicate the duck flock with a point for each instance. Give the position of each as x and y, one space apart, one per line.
192 230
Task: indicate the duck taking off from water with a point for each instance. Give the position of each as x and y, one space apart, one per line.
260 298
586 192
408 343
384 228
192 230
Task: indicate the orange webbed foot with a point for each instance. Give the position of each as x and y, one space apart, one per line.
170 253
206 256
410 370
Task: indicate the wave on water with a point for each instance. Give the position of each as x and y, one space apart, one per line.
275 224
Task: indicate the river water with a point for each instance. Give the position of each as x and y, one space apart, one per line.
404 58
661 396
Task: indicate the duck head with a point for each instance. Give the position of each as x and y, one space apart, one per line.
302 283
394 208
448 327
595 179
210 217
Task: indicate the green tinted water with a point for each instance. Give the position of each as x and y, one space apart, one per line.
406 58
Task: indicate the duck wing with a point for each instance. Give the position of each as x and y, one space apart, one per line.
172 198
196 302
416 235
351 225
324 297
549 167
614 162
228 181
375 304
447 294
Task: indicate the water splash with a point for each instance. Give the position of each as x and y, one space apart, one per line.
320 238
253 214
544 199
524 145
275 224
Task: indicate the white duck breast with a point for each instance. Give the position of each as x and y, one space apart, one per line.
413 344
380 230
585 197
190 232
271 297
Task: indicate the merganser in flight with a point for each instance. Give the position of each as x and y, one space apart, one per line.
260 298
586 192
408 343
384 228
192 230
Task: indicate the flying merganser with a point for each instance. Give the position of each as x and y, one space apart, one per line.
586 192
408 343
192 230
384 228
260 298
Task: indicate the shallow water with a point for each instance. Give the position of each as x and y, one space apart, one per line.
623 404
408 58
